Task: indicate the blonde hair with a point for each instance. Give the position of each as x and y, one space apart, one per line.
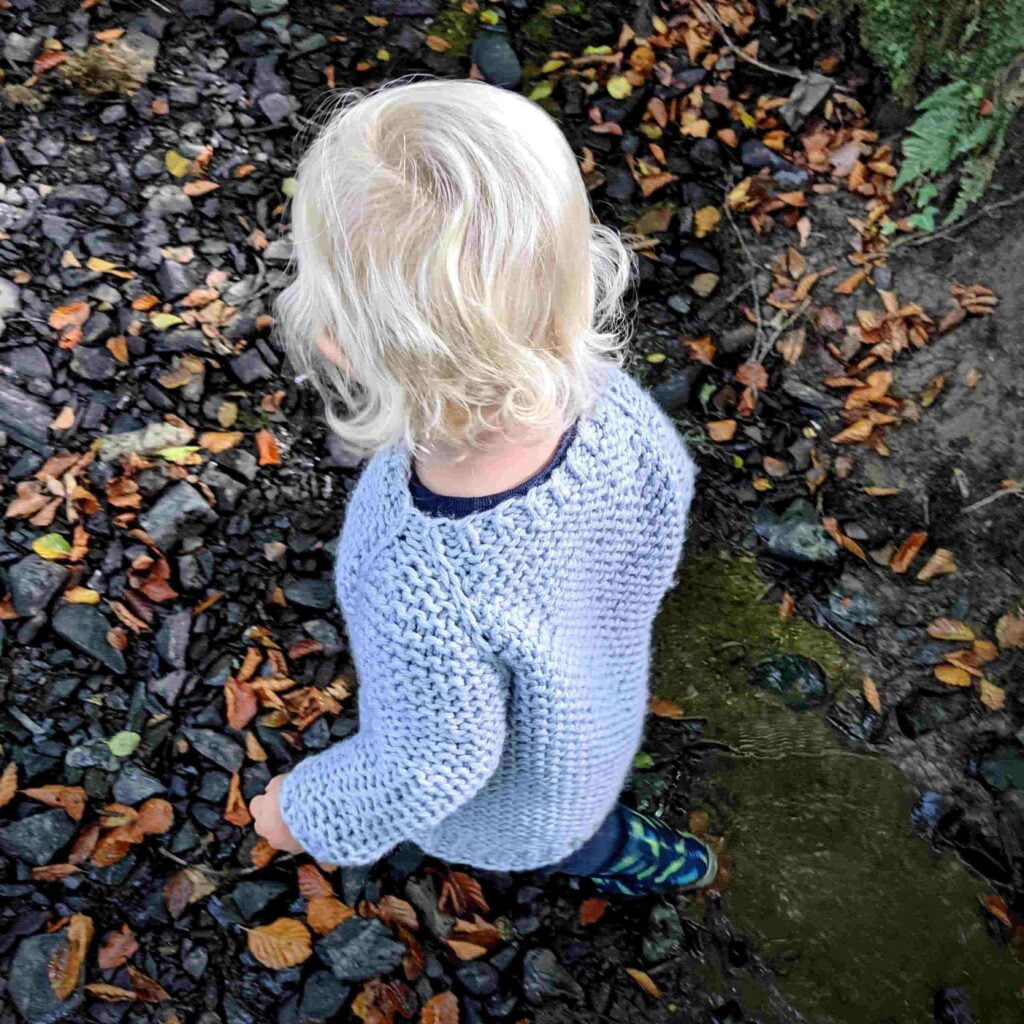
444 241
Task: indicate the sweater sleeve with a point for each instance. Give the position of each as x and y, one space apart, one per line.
432 728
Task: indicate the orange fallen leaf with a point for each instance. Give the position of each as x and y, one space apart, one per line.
941 563
1010 630
643 979
722 430
664 707
787 606
907 552
156 816
753 375
952 676
8 784
701 350
54 872
145 988
592 910
870 690
71 799
312 884
850 285
64 419
73 315
65 965
195 189
440 1009
266 445
280 944
997 907
236 811
325 913
832 529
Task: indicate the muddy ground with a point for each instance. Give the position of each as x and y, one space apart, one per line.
911 815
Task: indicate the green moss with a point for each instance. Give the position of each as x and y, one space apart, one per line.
457 27
858 915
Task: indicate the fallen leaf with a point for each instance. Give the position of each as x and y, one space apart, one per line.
156 817
850 285
194 189
466 950
8 784
950 629
753 375
64 419
997 907
145 988
325 913
266 445
907 552
701 350
52 546
941 563
188 886
442 1008
221 440
870 690
705 220
952 676
592 910
110 993
280 944
992 696
312 884
721 430
236 811
177 164
664 707
65 967
117 949
70 799
1010 630
791 345
643 979
73 315
54 872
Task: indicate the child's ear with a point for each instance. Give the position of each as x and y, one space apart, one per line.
331 351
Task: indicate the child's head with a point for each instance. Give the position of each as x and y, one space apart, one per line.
448 262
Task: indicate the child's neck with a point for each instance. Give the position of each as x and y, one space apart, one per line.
500 466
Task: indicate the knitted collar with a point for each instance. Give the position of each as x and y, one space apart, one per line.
581 462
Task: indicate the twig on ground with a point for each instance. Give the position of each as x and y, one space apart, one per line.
709 12
749 256
960 224
1017 491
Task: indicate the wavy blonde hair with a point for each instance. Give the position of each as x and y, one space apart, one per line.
444 241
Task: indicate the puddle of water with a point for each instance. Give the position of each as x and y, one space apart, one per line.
863 917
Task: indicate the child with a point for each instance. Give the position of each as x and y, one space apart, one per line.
509 542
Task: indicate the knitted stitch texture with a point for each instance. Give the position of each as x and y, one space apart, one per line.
502 657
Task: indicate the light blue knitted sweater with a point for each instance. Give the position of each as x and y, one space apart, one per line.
503 657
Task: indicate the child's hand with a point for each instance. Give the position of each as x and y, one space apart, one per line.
266 818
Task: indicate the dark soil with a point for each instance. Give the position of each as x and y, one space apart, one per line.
252 561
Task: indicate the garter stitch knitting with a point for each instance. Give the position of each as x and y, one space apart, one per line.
502 657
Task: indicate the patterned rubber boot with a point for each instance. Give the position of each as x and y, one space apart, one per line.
657 858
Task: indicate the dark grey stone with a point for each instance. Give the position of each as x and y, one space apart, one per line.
173 280
34 581
38 838
310 593
545 978
29 983
275 106
252 898
24 417
85 627
172 638
358 949
178 509
134 784
249 367
478 978
95 364
216 747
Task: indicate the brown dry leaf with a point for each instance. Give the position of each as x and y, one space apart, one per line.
992 696
266 445
791 345
997 907
643 979
312 884
220 440
70 798
753 375
54 872
855 433
145 988
190 885
81 595
787 606
262 853
8 784
242 704
280 944
952 676
466 950
950 629
942 563
461 892
194 189
850 285
325 913
664 707
722 430
235 810
73 315
1009 631
437 43
156 816
64 419
701 350
393 910
110 993
440 1009
832 529
592 910
870 690
881 492
907 552
705 220
65 965
117 948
